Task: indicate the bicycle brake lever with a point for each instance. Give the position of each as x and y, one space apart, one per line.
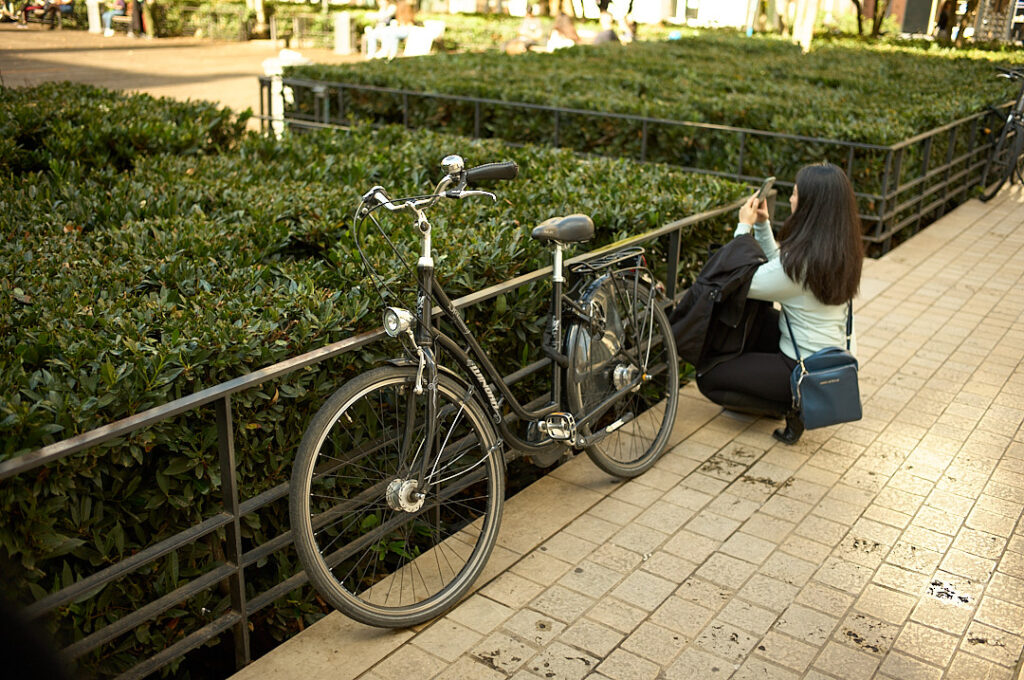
473 192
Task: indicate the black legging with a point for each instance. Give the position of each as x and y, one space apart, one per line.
756 381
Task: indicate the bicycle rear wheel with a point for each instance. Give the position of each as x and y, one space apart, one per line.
372 548
629 339
1003 162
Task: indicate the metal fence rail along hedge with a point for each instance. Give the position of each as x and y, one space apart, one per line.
232 571
901 187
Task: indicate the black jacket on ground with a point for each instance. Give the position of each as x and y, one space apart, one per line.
713 320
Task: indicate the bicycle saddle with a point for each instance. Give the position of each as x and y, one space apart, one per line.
568 229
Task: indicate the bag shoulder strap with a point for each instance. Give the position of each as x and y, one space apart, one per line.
849 330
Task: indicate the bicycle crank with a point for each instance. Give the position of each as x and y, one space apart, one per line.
601 434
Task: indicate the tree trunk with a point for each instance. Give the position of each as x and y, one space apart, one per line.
881 6
860 17
965 21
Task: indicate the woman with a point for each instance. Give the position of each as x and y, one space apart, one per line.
813 272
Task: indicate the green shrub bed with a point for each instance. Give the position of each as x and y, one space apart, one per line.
842 90
142 267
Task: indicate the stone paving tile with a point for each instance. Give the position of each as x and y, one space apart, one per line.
968 667
466 667
617 614
758 669
682 616
593 637
562 604
480 613
928 644
786 651
644 590
447 639
668 566
623 665
846 662
512 590
590 578
902 667
696 664
502 652
726 640
533 627
562 662
409 660
655 643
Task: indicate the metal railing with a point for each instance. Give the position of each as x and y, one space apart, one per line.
902 187
232 570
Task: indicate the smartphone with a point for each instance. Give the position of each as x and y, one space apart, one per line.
762 193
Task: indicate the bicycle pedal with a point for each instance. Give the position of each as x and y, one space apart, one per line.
559 426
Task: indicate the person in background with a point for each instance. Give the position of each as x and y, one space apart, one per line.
531 33
945 21
398 30
563 33
119 9
7 12
812 272
606 34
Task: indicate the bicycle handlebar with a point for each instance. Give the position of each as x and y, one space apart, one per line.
504 170
452 185
1010 73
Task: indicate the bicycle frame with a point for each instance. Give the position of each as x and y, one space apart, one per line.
425 339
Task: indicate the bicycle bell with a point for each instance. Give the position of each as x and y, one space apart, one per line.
453 165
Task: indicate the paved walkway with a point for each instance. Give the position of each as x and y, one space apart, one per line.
182 68
890 548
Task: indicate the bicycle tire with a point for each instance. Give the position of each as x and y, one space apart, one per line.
380 562
605 353
1002 162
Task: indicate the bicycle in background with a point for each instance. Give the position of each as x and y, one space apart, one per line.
398 486
1005 162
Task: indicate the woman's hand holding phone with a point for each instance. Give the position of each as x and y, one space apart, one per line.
754 211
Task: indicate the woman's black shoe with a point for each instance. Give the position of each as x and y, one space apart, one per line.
794 428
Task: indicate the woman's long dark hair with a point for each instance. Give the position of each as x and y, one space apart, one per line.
820 242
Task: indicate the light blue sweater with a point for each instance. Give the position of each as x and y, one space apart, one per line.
815 325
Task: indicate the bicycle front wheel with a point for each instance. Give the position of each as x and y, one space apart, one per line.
371 544
628 342
1003 162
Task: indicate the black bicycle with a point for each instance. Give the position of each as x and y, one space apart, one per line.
397 490
1006 161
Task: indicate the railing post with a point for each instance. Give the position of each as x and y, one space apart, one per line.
643 141
950 153
739 162
883 204
557 121
926 157
405 109
672 264
476 120
233 548
263 111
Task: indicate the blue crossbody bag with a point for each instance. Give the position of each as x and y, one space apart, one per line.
824 385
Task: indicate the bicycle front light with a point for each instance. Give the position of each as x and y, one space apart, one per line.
397 321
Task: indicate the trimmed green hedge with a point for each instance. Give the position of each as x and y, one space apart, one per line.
197 256
844 90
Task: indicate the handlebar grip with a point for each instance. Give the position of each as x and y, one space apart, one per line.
505 170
